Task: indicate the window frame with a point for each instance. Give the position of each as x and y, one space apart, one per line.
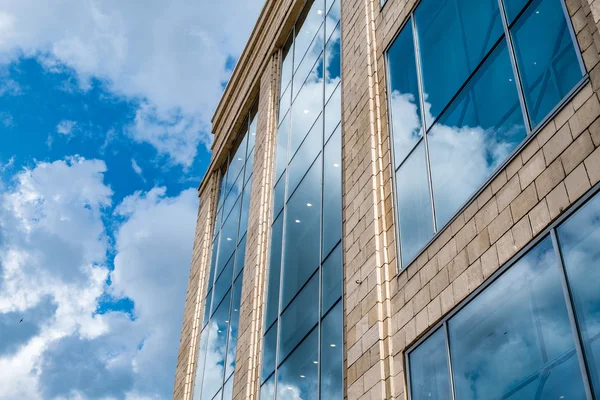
531 132
549 231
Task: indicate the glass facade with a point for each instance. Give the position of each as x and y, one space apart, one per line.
303 320
468 81
532 333
218 339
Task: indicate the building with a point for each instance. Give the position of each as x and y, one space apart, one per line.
403 203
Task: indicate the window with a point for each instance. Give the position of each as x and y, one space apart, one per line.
468 81
218 340
303 306
532 333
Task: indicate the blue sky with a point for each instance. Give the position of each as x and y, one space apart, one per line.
105 111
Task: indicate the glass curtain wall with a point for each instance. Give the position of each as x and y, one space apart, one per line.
533 333
303 320
218 339
469 80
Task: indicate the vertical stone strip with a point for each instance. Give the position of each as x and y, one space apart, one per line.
249 354
368 220
194 302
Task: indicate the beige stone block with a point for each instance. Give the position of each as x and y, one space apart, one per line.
421 299
486 215
584 94
577 152
499 181
514 166
592 165
478 246
458 265
429 270
522 232
588 112
506 247
465 235
439 282
563 116
474 276
524 202
460 287
577 183
508 193
529 150
489 262
412 287
484 196
548 179
434 310
532 169
539 217
557 144
447 253
546 133
500 225
447 299
557 200
372 376
595 132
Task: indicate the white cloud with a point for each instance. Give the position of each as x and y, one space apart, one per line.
53 247
136 168
170 55
65 127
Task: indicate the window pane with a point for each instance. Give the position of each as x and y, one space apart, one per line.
228 390
429 375
279 196
299 318
249 167
302 233
223 284
305 110
252 131
233 326
245 209
215 355
475 135
236 165
333 62
405 107
513 8
515 339
213 265
414 205
579 240
207 306
269 352
286 65
222 190
332 354
228 236
284 103
309 25
234 194
272 306
311 67
200 364
240 253
333 112
297 377
267 391
281 150
454 36
546 57
332 192
331 272
308 151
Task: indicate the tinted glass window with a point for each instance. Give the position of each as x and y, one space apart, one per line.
297 376
272 306
333 62
475 135
281 150
579 240
332 279
223 283
228 236
522 323
305 110
332 354
233 326
405 107
546 56
215 355
332 193
302 234
269 352
414 205
429 376
308 151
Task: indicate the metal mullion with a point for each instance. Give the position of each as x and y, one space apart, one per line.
423 119
312 163
331 251
513 61
299 290
335 303
450 371
572 315
310 331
